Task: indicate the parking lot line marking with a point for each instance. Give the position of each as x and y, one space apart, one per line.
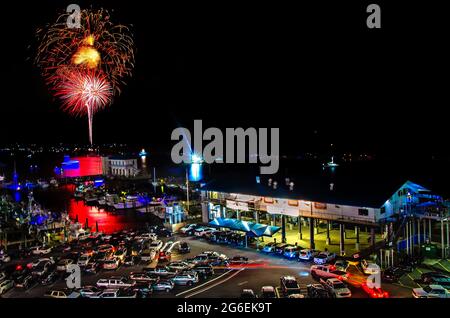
243 283
205 283
439 263
412 279
419 271
214 285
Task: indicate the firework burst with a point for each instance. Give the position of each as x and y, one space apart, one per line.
86 66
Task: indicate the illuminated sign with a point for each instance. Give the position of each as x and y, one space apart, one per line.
235 205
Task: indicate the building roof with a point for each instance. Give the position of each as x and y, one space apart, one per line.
354 189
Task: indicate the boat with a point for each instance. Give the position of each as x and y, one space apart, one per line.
331 164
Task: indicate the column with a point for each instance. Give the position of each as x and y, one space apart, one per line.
311 234
317 226
283 229
345 232
256 216
418 232
238 215
372 236
342 239
448 240
429 230
357 237
328 241
407 237
272 222
425 230
413 234
442 238
300 235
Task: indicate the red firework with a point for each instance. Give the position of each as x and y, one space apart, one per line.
83 92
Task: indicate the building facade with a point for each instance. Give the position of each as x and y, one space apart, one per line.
120 166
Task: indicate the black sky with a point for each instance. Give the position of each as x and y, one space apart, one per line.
314 71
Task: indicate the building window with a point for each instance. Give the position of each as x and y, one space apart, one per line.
363 212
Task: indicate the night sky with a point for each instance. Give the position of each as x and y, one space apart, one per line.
314 71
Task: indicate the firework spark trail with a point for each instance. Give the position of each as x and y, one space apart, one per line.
85 67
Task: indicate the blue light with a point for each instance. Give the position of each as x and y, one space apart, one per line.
195 173
196 159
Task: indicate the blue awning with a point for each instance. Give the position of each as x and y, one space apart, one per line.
251 228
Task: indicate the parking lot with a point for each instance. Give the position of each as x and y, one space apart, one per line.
226 282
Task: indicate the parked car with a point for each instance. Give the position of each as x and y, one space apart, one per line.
148 255
163 285
41 260
289 285
105 248
111 264
184 248
143 277
62 264
268 292
203 271
89 291
49 278
248 293
238 260
327 271
24 281
118 293
179 266
147 236
2 276
317 291
40 250
164 256
61 293
269 247
115 282
163 271
202 231
369 267
120 254
83 260
341 265
279 248
431 291
436 278
142 289
92 267
156 245
391 274
164 232
6 285
185 279
131 260
307 254
5 258
291 252
324 258
41 268
336 287
188 228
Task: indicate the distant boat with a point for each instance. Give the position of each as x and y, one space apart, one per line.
331 164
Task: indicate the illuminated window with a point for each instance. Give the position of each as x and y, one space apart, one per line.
363 212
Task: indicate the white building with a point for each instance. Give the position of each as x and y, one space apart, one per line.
120 166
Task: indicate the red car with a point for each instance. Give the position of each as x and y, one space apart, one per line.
375 292
164 256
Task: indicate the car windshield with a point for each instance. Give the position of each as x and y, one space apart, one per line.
339 285
428 289
291 283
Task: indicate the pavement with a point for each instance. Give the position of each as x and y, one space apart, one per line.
227 282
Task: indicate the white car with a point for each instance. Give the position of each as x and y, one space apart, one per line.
324 257
307 254
431 291
148 255
201 232
61 294
83 260
327 271
5 258
369 268
111 264
187 228
115 282
42 260
83 236
336 288
41 250
179 266
147 236
5 286
156 245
